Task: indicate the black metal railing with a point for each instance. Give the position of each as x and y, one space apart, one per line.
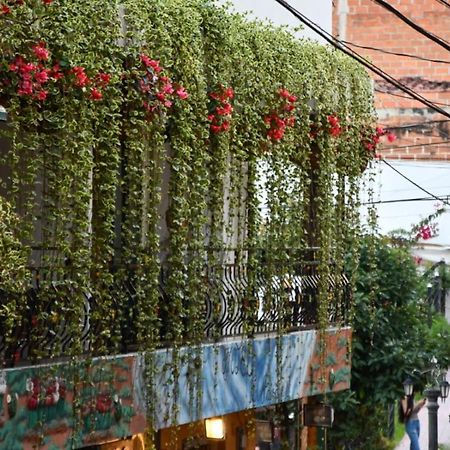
288 301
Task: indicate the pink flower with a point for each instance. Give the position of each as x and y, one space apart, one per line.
226 110
168 88
369 146
424 233
229 93
335 131
95 94
292 98
290 121
81 77
42 76
25 88
289 108
215 129
380 131
154 64
104 78
27 68
284 93
182 94
168 104
225 125
391 137
333 120
40 51
161 96
143 86
41 95
211 117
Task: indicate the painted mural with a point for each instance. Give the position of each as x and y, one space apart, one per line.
67 406
73 405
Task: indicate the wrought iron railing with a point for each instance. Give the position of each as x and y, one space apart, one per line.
286 302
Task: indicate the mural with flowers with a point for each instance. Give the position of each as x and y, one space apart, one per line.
134 140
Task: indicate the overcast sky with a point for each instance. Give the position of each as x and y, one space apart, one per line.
319 11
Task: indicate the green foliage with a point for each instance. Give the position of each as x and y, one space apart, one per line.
388 342
437 343
112 195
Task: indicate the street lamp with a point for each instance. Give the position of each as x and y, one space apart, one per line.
439 387
408 387
445 388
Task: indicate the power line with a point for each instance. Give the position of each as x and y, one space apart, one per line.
429 144
442 198
443 2
415 184
414 125
413 25
350 52
406 55
408 98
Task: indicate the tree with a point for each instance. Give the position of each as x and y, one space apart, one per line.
389 329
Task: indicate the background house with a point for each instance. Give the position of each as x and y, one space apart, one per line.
422 149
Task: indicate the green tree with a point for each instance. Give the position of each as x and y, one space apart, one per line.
389 329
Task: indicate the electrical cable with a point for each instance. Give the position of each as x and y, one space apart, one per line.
388 52
443 43
350 52
415 184
441 198
380 91
413 125
443 2
428 144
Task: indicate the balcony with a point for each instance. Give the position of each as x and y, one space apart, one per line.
230 287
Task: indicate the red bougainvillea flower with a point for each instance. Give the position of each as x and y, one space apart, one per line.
391 137
148 62
221 109
103 79
41 52
95 94
25 88
229 92
281 116
82 79
182 94
425 232
41 95
284 93
26 68
5 9
42 76
168 88
47 2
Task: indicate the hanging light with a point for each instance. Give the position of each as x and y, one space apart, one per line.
408 387
445 388
215 428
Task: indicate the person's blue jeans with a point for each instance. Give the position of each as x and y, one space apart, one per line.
413 431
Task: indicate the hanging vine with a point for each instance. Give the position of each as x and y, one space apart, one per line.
150 144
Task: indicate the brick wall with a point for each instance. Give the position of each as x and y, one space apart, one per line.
365 23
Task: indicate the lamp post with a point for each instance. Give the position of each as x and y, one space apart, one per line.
439 387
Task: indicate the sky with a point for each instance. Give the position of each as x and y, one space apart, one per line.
319 11
389 185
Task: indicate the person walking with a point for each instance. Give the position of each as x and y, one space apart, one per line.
408 414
